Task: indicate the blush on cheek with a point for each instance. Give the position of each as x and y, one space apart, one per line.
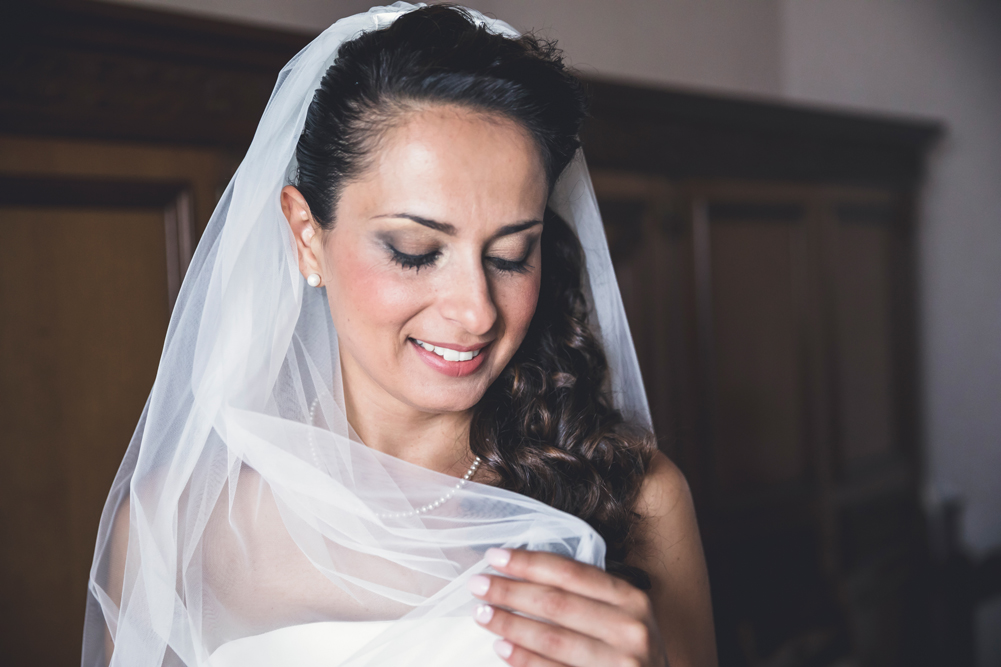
372 301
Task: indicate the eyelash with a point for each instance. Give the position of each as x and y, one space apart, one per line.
418 262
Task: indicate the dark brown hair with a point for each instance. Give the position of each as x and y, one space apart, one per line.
546 428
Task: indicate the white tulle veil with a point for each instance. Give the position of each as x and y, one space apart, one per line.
226 454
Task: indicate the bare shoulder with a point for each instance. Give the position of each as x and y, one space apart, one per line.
669 549
119 547
667 530
664 492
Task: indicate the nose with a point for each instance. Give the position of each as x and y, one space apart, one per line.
465 298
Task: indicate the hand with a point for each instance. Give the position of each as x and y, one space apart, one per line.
594 618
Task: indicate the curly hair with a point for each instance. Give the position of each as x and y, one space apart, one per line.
546 427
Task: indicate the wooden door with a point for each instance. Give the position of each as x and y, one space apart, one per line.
94 240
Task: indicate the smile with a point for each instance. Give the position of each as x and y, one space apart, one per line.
449 361
448 354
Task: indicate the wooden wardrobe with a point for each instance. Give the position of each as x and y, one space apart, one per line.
764 253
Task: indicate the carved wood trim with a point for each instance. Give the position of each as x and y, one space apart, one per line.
174 198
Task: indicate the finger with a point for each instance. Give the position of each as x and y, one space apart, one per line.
574 612
553 570
547 640
522 657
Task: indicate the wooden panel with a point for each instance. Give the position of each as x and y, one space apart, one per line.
174 198
649 240
793 296
757 355
624 228
84 300
94 240
865 398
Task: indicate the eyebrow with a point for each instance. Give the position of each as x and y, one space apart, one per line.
446 228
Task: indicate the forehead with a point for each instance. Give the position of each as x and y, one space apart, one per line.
453 165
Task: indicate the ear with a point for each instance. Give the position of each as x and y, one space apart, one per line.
305 230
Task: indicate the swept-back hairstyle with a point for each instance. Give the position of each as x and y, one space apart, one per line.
546 428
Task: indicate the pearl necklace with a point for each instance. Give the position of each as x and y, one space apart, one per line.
397 515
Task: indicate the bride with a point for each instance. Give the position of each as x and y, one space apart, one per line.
398 418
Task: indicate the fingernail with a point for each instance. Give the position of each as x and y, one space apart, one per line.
498 557
478 584
503 648
484 613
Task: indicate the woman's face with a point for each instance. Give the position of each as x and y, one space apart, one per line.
432 267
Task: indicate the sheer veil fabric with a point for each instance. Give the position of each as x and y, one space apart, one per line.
244 513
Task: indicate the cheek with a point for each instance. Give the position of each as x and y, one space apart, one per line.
517 303
366 297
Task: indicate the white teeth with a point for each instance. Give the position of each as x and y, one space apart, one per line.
446 353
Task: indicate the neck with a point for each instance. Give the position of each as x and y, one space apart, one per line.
436 441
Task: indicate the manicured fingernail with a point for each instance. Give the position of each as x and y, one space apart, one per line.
498 557
479 585
484 613
503 648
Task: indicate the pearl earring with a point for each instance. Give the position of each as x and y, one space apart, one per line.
313 279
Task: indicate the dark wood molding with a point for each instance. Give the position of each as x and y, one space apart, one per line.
174 198
85 192
696 135
86 69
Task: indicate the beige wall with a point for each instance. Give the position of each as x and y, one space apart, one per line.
723 44
717 44
933 58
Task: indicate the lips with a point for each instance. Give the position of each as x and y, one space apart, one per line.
451 360
449 353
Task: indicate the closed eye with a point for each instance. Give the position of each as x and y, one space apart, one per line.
416 262
514 265
510 266
422 260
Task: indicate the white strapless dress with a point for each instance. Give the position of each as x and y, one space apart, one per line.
443 642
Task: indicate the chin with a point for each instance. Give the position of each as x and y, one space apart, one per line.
446 399
428 389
